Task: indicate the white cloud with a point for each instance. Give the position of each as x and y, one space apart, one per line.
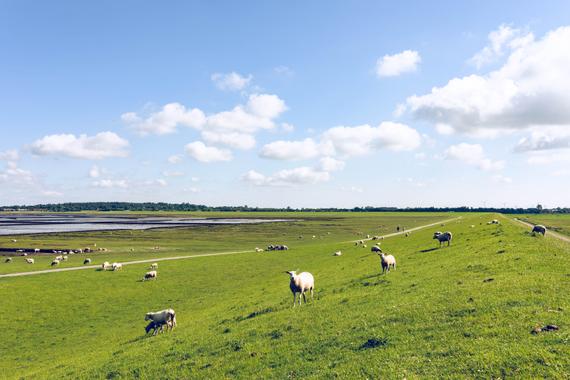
94 172
110 183
175 159
231 81
234 128
283 70
166 120
353 189
9 155
203 153
102 145
504 38
157 182
172 174
363 139
52 193
546 157
545 139
329 164
287 177
286 127
529 90
499 178
291 150
195 179
12 174
472 154
394 65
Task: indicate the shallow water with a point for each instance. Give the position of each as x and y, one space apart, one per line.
40 224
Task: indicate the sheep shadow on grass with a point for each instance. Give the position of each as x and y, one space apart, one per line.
429 249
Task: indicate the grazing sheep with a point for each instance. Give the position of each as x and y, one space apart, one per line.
387 262
8 260
106 266
86 261
364 246
150 275
472 226
64 258
159 319
367 236
117 266
443 237
257 249
337 253
30 261
54 263
539 228
314 236
36 250
154 266
494 221
407 234
58 258
300 283
375 248
14 241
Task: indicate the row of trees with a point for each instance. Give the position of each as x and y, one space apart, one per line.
176 207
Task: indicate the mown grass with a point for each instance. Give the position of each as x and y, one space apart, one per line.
460 312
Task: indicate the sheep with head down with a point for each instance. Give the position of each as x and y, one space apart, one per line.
301 283
539 229
159 319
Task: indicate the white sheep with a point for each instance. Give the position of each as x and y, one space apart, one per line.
387 262
36 250
150 275
58 258
300 283
257 249
106 266
154 266
159 319
117 266
30 261
337 253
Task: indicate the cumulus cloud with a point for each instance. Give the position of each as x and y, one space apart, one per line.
102 145
394 65
111 183
203 153
9 155
166 120
472 154
529 90
500 40
231 81
234 128
329 164
545 139
12 174
287 177
291 150
364 139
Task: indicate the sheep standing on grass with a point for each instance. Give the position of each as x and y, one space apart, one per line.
8 260
30 261
150 275
86 261
540 229
54 263
159 319
443 237
300 283
257 249
117 266
105 266
154 266
387 262
337 253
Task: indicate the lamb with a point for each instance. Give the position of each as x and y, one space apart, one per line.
30 261
159 319
117 266
387 262
375 248
539 228
86 261
300 283
150 275
154 266
443 237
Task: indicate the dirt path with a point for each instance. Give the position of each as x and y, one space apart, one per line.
548 233
19 274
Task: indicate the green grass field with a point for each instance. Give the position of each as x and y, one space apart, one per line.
460 312
555 222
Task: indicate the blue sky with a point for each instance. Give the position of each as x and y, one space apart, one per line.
285 104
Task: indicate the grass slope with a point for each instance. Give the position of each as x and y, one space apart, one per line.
460 312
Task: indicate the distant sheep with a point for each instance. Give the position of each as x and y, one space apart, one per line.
64 258
278 247
58 258
36 250
301 283
364 246
117 266
54 263
494 221
150 275
337 253
257 249
30 261
106 266
8 260
86 261
387 262
540 229
154 266
443 237
376 249
407 234
14 241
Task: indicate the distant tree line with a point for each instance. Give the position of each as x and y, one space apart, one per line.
161 206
